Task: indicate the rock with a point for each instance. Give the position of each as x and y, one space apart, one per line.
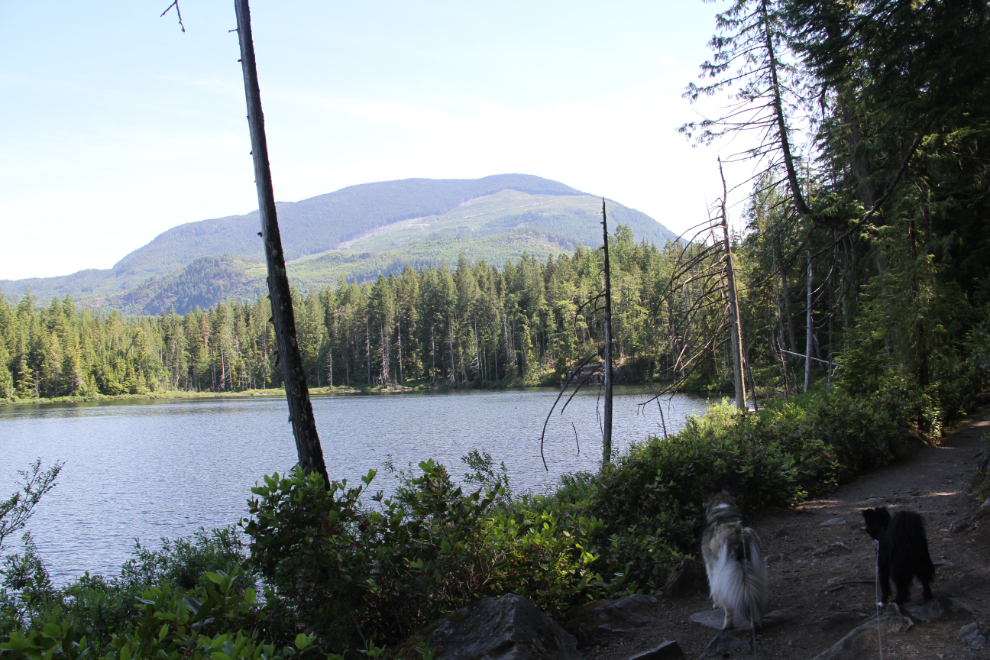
833 521
666 651
689 578
774 559
927 612
786 615
959 526
841 620
970 634
836 548
968 630
595 622
863 640
809 546
966 583
961 606
726 643
786 530
508 628
709 618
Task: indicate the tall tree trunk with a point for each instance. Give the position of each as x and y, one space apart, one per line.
808 333
308 447
734 324
607 425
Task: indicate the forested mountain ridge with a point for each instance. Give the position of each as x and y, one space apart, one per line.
528 213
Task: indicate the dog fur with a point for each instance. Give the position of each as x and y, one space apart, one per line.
737 572
902 552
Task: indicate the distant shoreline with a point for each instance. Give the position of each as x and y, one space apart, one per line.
266 393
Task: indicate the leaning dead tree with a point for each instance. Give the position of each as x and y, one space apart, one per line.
578 376
308 447
698 307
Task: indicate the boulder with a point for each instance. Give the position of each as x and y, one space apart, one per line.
726 643
666 651
863 641
595 622
508 628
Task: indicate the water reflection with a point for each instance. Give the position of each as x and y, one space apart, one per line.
148 470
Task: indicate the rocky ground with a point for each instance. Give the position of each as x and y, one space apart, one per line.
822 568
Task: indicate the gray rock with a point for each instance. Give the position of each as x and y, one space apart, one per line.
774 559
688 579
726 643
970 634
666 651
786 615
926 612
863 640
508 628
961 606
596 622
842 620
709 618
968 630
716 617
836 548
833 521
966 583
785 531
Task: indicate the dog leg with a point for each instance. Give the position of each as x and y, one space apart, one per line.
884 581
903 589
926 590
728 619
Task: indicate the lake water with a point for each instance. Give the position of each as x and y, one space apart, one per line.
147 470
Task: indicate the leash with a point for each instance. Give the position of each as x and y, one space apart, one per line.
876 593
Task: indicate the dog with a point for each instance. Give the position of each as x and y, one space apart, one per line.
737 572
902 552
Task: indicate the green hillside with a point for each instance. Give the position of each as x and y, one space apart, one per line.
356 232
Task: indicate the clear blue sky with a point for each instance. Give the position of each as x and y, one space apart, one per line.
117 126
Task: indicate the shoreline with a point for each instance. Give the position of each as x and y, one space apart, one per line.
272 393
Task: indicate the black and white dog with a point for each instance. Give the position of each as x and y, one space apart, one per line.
737 572
902 552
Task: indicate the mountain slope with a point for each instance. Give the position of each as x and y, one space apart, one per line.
357 232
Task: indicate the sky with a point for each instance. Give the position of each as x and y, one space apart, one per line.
118 126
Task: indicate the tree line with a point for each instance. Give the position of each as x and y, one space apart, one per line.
466 325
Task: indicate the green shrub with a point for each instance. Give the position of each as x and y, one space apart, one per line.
348 571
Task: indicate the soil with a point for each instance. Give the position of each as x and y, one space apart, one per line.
833 592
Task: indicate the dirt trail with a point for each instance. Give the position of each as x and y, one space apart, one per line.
833 591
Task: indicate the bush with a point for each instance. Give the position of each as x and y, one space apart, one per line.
349 572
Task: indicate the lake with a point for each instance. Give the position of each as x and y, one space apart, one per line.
152 469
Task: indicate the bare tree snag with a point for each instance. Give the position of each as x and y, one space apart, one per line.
607 425
308 447
809 333
734 325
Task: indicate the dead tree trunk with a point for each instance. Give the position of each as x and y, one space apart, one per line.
734 326
308 447
607 424
809 334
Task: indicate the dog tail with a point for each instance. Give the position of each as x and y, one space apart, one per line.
740 581
907 533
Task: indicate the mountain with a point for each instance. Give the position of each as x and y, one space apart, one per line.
356 232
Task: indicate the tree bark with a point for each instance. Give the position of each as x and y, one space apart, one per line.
308 447
734 325
808 333
607 424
